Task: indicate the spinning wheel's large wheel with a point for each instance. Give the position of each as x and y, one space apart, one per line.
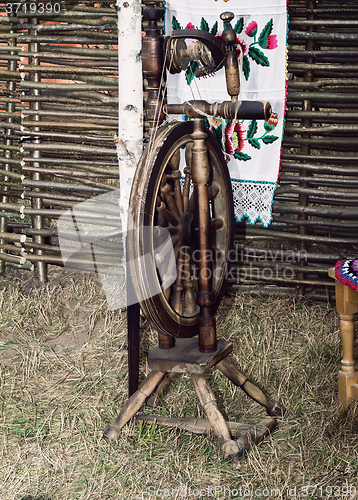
161 198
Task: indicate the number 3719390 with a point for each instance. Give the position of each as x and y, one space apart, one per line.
33 8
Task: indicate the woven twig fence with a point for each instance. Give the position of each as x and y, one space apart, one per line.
315 210
59 109
60 113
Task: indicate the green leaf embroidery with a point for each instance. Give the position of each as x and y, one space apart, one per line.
204 25
265 33
246 67
239 25
190 72
241 156
252 129
206 122
255 143
258 56
218 133
214 29
268 126
269 139
175 23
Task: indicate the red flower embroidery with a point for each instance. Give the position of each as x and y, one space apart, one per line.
271 42
273 119
242 47
234 137
190 26
251 30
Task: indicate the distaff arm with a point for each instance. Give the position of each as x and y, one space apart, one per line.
248 110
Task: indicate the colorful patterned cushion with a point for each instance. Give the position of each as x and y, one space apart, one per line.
347 273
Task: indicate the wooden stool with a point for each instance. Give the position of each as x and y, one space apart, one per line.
347 306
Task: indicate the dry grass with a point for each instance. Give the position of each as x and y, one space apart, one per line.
63 376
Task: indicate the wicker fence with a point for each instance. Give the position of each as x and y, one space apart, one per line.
59 105
315 221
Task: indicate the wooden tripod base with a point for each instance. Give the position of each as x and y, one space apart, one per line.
185 357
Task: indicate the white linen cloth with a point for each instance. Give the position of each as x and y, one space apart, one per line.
262 31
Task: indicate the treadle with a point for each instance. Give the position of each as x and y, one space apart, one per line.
202 426
247 434
185 357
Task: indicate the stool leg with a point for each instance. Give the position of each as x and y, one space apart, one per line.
133 404
217 421
347 306
347 375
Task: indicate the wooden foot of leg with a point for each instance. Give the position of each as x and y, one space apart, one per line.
255 434
133 404
237 377
217 421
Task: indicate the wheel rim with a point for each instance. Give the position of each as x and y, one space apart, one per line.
162 198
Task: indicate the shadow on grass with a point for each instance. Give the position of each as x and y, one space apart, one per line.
31 497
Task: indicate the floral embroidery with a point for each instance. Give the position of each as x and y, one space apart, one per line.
251 30
234 133
242 48
271 42
266 41
238 137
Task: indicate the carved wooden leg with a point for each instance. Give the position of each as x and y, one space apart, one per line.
154 399
217 421
347 306
237 377
133 404
347 375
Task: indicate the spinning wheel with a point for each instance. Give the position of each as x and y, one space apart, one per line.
163 196
181 206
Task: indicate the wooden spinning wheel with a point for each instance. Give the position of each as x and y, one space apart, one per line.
163 197
181 204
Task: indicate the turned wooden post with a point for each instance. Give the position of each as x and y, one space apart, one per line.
205 297
152 62
231 62
347 306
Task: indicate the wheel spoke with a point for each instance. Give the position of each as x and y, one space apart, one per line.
168 198
187 172
174 163
213 190
178 289
161 207
189 294
169 245
217 223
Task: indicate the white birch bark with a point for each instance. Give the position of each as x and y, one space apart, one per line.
130 127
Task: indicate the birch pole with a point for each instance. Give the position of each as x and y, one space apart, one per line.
130 126
129 149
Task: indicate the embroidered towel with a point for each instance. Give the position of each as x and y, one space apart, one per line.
252 148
